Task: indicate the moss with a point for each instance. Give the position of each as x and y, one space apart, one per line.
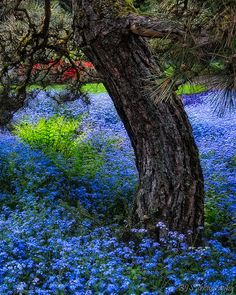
126 8
114 8
129 2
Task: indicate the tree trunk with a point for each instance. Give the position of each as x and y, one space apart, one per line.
9 104
170 177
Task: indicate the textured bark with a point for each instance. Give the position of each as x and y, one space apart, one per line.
154 28
9 103
170 176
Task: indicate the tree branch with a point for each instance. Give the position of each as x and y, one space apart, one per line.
47 17
153 28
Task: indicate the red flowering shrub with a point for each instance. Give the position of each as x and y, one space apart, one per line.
60 71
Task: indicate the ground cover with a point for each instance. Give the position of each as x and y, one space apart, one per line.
64 234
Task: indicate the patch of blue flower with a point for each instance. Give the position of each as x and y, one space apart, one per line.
50 246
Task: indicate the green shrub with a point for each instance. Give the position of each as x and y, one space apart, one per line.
86 88
93 88
60 139
190 89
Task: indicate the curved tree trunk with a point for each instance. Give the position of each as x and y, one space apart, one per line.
170 176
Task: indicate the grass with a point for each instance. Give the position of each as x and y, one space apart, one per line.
97 88
88 87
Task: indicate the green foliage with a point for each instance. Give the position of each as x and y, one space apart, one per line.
93 88
143 5
213 215
233 161
55 134
187 88
129 2
194 60
190 89
86 88
60 139
217 218
217 66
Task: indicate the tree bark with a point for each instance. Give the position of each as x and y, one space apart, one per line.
170 178
9 103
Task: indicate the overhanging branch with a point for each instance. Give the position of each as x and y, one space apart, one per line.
153 28
173 30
